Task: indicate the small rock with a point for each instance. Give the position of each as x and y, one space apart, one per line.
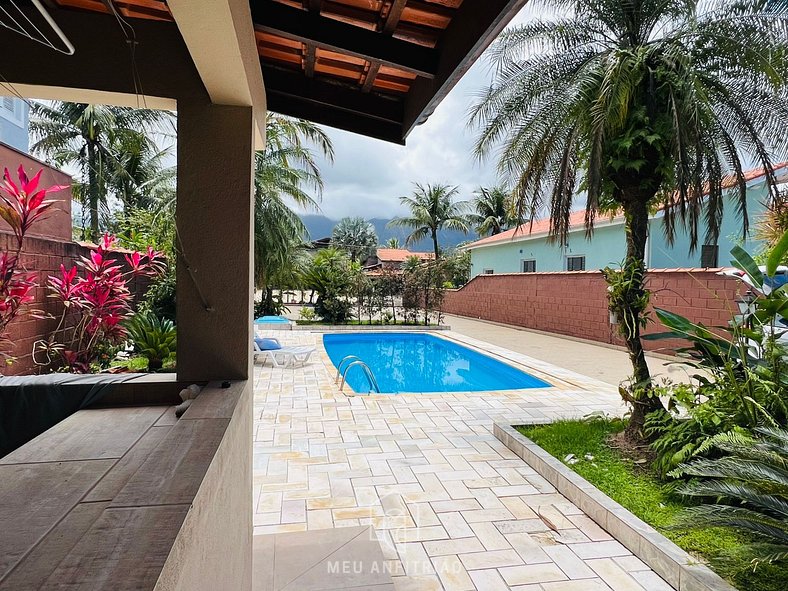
641 461
589 457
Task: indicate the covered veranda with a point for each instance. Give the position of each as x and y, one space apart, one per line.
178 513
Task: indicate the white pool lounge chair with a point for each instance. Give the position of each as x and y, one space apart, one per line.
285 356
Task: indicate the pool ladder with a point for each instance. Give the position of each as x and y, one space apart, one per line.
354 360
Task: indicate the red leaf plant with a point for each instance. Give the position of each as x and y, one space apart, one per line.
96 299
22 204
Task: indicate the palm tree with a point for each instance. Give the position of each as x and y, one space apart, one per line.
356 236
492 211
285 173
90 138
641 104
393 242
432 208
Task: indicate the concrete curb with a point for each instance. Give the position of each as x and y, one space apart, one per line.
679 569
368 328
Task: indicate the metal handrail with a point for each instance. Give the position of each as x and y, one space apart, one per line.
341 363
373 383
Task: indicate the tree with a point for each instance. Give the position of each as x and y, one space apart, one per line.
356 236
432 208
493 211
393 243
95 139
640 105
330 275
285 173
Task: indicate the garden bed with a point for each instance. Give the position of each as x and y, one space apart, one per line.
640 510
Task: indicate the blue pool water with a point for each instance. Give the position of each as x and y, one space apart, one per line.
272 320
412 362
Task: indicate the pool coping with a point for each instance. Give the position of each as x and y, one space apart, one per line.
674 565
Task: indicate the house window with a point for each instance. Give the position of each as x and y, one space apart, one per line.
709 254
528 266
8 103
488 271
576 263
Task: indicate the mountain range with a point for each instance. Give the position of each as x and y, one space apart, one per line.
319 226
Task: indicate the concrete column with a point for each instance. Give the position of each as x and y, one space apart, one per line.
215 217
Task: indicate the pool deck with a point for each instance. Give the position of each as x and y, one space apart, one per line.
452 507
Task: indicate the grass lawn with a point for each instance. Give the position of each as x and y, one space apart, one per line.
637 489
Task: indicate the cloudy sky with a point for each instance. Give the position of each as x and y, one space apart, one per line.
368 176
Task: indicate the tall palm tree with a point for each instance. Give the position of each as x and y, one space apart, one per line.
356 236
286 173
432 208
493 210
89 138
641 103
392 242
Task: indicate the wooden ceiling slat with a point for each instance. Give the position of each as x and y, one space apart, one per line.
307 27
309 60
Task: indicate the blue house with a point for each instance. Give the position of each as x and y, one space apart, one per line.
14 119
526 249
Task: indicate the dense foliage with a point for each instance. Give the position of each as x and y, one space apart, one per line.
153 337
356 236
743 383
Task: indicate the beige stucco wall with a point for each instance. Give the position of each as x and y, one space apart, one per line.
213 550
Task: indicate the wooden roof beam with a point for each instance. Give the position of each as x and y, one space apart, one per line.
389 26
314 29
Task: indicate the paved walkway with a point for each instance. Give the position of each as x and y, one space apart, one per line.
453 508
597 361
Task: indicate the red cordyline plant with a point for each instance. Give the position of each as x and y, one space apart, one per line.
22 204
96 300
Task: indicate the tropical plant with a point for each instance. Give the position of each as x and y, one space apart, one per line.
100 142
356 236
637 104
22 205
285 173
424 287
393 242
744 380
492 210
389 285
152 337
330 276
745 489
773 222
432 208
94 305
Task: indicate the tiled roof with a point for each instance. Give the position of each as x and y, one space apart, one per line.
399 255
577 218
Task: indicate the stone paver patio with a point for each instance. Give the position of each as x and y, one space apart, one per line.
452 507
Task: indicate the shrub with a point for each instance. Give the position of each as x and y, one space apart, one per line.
22 205
329 275
307 314
95 304
748 383
153 337
747 490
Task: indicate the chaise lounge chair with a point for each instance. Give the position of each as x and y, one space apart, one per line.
271 348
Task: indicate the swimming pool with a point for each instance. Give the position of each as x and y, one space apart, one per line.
418 362
272 320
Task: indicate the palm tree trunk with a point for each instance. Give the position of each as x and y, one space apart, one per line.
435 243
93 192
640 396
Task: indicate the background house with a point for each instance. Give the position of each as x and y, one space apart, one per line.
393 258
14 119
527 249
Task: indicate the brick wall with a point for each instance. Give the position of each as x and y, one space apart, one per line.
44 257
56 224
575 303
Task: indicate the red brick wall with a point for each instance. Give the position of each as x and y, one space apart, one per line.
57 222
44 257
575 303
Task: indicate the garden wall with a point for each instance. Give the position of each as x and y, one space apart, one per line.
575 303
44 257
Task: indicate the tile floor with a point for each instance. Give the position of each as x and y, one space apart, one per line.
452 507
